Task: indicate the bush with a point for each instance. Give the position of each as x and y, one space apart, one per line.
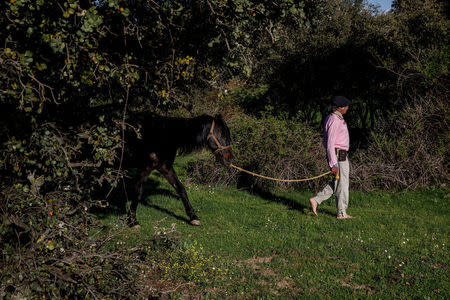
408 150
46 250
47 246
53 248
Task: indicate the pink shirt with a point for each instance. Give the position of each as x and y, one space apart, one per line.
335 135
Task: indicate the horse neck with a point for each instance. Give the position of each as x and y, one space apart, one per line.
192 133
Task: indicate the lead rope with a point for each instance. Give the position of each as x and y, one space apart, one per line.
278 179
220 147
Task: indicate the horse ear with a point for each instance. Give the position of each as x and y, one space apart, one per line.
218 117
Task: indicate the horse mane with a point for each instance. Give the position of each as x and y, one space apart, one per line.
194 133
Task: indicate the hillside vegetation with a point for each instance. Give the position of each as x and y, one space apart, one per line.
73 71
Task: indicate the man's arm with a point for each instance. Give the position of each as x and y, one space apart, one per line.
332 129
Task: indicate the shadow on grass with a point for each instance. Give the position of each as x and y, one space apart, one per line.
119 197
151 188
246 182
290 203
168 212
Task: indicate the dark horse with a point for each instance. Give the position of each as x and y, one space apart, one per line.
155 143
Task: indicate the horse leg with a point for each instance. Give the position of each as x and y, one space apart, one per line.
171 176
138 189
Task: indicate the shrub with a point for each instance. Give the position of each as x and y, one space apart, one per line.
46 249
46 244
408 150
53 248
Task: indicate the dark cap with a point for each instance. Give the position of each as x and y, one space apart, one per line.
341 101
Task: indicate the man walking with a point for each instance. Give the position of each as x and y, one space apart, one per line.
337 142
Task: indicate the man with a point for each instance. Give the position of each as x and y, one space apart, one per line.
337 142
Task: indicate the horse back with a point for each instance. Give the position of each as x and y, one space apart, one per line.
163 136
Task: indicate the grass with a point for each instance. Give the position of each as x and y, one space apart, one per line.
272 246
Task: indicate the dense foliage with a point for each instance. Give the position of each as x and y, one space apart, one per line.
72 70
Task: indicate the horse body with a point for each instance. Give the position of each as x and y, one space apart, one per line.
155 144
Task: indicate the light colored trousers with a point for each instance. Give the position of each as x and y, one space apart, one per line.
337 187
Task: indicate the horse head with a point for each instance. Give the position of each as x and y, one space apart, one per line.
219 140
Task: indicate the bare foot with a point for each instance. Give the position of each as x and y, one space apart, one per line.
196 222
313 205
344 217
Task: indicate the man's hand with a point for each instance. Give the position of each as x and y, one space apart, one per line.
334 170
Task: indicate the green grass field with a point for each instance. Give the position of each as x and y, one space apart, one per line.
272 246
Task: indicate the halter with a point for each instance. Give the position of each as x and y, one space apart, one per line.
212 136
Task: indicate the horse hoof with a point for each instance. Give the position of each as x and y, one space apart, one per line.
137 226
196 222
132 222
